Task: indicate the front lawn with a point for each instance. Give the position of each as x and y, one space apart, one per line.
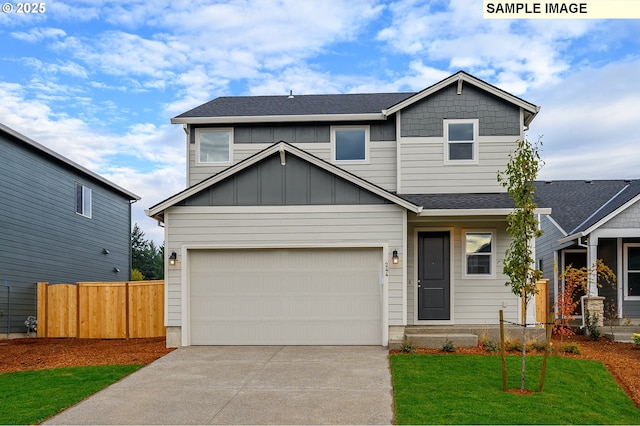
29 397
467 389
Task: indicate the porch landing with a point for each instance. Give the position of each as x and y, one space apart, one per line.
620 333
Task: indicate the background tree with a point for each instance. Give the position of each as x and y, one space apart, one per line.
522 225
145 256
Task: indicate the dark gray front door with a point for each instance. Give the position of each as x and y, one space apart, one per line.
434 285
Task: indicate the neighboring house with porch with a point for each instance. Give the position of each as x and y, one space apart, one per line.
61 223
590 220
341 219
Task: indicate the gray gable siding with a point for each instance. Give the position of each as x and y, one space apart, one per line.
43 239
497 117
268 183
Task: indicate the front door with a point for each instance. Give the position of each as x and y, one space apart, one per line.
434 283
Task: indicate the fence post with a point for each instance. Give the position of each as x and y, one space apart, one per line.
126 295
502 354
77 310
43 314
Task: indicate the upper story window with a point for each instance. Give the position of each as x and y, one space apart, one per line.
461 141
214 146
350 144
632 271
83 200
479 253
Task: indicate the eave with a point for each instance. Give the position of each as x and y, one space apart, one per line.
278 118
475 212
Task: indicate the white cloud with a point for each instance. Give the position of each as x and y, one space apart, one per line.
38 34
588 121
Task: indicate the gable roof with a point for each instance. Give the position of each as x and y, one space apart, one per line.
284 148
461 77
580 206
43 150
345 107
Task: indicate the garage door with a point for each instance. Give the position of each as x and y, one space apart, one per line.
285 297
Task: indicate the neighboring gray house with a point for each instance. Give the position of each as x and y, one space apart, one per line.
60 222
341 219
590 220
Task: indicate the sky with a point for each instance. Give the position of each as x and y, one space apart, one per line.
99 81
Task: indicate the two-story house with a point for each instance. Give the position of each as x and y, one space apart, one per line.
341 219
59 222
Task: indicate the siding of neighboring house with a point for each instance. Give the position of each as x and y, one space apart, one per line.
545 249
277 226
475 300
422 144
313 138
44 239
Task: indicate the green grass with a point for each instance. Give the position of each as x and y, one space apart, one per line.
467 389
29 397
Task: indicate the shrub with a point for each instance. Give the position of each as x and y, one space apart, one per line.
636 340
591 326
406 347
570 348
448 347
538 346
489 346
513 346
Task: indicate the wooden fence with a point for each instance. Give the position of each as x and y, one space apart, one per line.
542 303
102 310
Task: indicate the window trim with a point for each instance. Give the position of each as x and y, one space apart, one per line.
492 255
201 130
625 262
85 190
445 124
367 143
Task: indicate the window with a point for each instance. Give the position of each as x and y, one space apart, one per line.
461 141
83 200
350 143
479 253
213 145
632 271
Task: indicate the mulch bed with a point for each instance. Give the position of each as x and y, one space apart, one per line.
621 359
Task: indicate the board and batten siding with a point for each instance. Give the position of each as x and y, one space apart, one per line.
379 170
277 226
44 239
476 301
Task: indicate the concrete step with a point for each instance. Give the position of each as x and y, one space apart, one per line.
459 340
622 334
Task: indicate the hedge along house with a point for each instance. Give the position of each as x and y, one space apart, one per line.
61 223
341 219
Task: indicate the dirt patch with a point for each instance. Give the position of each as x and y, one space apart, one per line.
43 353
621 359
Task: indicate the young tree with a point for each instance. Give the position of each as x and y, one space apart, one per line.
522 225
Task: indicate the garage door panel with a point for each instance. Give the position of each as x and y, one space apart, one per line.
299 296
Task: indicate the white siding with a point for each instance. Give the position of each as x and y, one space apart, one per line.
476 301
423 170
292 226
380 170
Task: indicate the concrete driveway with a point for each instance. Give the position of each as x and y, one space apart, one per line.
248 385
